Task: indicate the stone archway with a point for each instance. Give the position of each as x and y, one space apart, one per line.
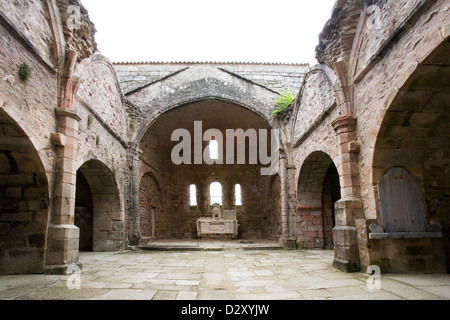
97 181
157 146
414 140
317 192
153 221
24 202
271 222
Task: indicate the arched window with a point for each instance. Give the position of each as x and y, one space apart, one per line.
213 150
215 192
193 195
237 195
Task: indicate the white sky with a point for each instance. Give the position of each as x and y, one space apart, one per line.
284 31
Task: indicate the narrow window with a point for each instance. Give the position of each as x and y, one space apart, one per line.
215 192
213 150
193 194
238 195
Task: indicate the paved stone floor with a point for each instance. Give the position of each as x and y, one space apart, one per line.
219 272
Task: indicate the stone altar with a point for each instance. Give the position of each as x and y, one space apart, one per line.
221 225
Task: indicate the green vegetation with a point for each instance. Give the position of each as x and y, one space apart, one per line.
90 119
284 100
24 71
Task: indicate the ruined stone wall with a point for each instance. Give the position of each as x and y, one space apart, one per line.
395 96
382 19
104 123
100 90
176 218
314 101
389 77
30 103
152 89
337 36
271 220
26 123
103 136
30 117
376 91
151 199
273 76
31 18
249 215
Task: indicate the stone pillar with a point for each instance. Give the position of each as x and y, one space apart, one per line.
292 190
349 208
135 227
227 195
63 235
203 198
287 241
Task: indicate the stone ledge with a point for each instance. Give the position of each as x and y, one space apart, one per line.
405 235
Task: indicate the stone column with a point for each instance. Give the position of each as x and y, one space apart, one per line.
292 191
63 235
135 227
286 239
349 208
227 195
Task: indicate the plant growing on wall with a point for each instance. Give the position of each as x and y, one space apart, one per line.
114 171
89 121
24 71
284 100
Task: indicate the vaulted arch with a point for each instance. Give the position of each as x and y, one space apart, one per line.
317 192
157 146
413 144
97 191
24 201
206 89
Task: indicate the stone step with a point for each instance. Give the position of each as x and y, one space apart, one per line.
193 245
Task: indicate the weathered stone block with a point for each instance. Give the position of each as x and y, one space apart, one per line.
36 240
63 245
401 202
103 246
61 232
345 236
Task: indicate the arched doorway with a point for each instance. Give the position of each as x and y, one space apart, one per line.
413 143
102 219
24 202
272 220
153 222
317 192
84 213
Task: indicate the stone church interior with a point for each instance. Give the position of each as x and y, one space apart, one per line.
363 165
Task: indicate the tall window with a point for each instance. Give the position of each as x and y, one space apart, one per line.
215 192
238 195
213 150
193 194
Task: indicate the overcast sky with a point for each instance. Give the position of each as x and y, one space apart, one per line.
284 31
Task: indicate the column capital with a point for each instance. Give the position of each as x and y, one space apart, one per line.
66 112
344 124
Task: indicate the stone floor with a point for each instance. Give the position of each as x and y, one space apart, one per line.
217 270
